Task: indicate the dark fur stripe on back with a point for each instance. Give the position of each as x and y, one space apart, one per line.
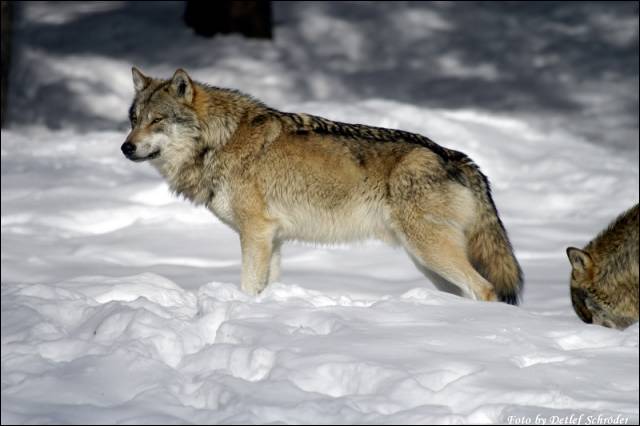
360 131
451 159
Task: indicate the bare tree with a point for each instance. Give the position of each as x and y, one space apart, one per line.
250 18
5 11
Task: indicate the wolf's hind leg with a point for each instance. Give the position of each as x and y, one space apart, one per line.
439 282
441 250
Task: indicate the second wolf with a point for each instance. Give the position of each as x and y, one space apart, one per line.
274 176
604 274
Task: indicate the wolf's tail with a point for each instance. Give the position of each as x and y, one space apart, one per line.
488 246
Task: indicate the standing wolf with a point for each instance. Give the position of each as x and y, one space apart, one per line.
604 275
275 176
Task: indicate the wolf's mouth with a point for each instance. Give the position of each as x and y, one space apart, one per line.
151 156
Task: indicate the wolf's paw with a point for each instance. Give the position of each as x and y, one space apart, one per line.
488 294
251 289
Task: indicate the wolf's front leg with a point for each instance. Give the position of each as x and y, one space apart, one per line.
257 247
274 266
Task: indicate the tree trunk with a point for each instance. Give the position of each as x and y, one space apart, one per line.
5 12
249 18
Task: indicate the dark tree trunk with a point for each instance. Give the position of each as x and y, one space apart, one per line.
249 18
5 11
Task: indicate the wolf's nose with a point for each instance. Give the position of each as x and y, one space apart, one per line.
128 148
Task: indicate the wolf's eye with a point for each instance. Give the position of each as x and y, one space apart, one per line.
133 121
156 120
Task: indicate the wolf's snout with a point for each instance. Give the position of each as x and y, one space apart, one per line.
579 298
128 148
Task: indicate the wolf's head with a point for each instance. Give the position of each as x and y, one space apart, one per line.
592 301
582 279
162 116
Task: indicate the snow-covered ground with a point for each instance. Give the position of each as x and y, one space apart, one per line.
120 303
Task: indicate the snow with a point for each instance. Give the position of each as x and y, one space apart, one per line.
121 303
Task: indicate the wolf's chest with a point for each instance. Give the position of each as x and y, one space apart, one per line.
220 204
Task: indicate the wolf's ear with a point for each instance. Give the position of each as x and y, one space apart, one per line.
580 260
182 86
140 81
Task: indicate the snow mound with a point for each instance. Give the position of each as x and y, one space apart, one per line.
298 355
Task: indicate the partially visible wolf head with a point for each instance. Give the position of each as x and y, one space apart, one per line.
162 116
604 275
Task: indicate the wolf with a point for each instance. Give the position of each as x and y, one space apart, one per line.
604 274
275 176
